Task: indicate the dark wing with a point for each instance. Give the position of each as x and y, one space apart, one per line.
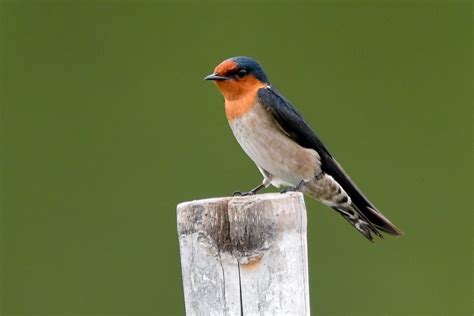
298 130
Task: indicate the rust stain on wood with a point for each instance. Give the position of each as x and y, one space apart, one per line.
252 264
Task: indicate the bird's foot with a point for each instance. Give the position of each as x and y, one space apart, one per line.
238 193
295 189
251 192
289 189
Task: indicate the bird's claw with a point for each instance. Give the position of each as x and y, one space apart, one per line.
238 193
292 189
295 189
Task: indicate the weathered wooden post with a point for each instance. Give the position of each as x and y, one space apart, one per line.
244 255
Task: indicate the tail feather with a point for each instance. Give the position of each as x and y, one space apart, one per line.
381 222
359 221
349 201
359 201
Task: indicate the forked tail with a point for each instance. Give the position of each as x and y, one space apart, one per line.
352 205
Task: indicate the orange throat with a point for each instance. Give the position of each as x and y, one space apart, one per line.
240 96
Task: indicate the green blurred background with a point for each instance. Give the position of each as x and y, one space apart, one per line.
107 125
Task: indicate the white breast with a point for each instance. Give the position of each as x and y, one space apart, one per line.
265 143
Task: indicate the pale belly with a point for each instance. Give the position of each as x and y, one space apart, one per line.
284 160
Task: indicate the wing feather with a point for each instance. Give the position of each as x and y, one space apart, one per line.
291 121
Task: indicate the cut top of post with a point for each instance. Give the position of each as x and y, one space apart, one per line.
242 225
244 254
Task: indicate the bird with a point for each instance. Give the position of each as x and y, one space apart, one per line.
286 150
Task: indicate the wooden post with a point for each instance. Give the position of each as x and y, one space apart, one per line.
244 255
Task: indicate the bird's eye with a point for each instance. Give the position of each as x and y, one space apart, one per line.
242 72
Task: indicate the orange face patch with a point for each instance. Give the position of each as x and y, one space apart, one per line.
240 95
224 67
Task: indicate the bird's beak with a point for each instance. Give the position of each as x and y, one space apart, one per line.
215 77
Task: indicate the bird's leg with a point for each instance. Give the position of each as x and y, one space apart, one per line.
297 188
301 185
251 192
265 183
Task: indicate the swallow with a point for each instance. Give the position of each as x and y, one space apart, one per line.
285 148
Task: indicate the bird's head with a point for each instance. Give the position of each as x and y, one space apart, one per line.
238 76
